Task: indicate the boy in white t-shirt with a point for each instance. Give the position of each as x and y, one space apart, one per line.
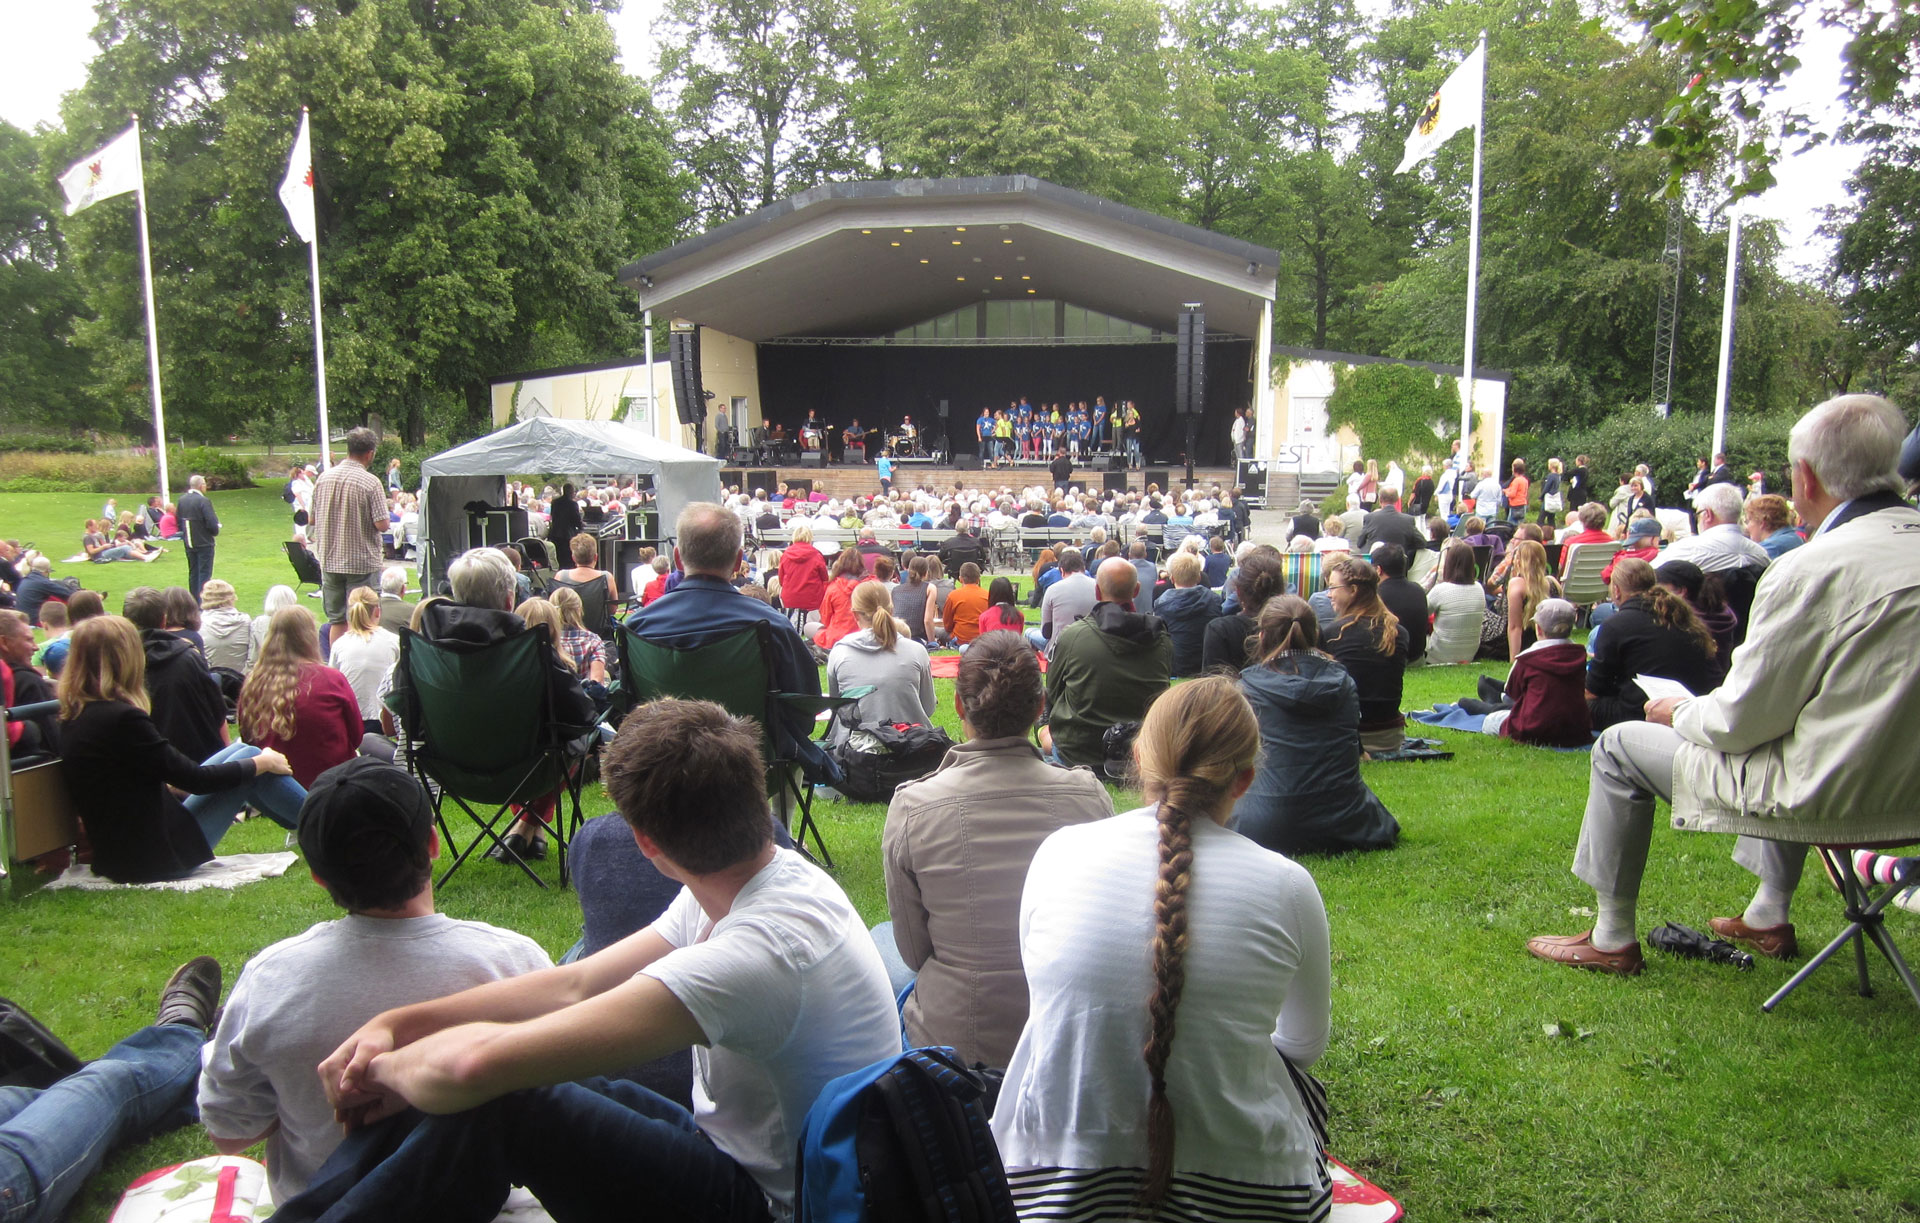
367 832
761 964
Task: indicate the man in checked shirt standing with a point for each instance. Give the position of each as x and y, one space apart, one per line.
349 515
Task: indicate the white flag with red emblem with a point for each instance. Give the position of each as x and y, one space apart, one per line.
113 170
1454 107
296 190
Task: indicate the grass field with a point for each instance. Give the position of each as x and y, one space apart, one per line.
1674 1097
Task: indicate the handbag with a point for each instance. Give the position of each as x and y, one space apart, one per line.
30 1054
1552 503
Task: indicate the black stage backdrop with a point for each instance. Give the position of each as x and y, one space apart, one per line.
881 383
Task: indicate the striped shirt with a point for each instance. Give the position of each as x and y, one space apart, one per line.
1081 1195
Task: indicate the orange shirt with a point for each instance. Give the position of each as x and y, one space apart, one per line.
962 612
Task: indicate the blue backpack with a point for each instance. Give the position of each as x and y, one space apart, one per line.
902 1140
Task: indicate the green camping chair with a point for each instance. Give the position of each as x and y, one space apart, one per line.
480 727
734 673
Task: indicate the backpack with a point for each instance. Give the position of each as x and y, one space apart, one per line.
904 1139
30 1054
877 757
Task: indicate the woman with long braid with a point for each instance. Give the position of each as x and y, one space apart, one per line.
1181 985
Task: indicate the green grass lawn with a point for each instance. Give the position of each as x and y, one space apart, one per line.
1680 1101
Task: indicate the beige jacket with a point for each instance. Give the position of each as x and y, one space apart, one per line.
957 846
1815 736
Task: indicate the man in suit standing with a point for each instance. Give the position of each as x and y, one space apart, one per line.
198 526
1388 525
1721 473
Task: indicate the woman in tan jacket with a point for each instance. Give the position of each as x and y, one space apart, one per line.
957 846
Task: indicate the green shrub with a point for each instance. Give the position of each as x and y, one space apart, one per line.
46 443
104 473
410 460
222 470
1633 435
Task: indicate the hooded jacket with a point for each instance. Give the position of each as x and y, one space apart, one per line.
1308 796
803 578
1548 690
1106 668
902 681
1187 610
188 709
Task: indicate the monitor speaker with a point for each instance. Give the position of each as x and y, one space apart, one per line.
1115 462
1157 475
689 396
966 462
1113 481
813 458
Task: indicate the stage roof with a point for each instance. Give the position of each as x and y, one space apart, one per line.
868 258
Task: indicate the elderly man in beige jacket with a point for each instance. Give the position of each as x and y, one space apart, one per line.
1811 737
957 846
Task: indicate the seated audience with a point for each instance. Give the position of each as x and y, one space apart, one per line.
1106 668
1403 598
1642 542
1508 628
585 551
1546 702
365 653
777 988
395 608
580 644
836 603
1474 532
803 573
1793 747
1212 1124
1223 644
295 703
956 849
1216 563
122 772
180 613
38 586
277 598
223 627
1458 606
186 702
1769 523
1654 632
882 656
1186 608
1307 796
25 685
1704 595
910 599
1067 600
366 831
1718 545
1003 614
961 610
51 654
1371 643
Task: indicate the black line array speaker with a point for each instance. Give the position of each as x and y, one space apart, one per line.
1113 481
943 409
762 478
689 396
1190 363
1158 475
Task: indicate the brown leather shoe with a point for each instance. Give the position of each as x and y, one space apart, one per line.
1578 951
1776 941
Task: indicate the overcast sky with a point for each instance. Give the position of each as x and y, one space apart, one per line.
50 49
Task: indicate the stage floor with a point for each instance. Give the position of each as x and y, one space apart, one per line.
852 480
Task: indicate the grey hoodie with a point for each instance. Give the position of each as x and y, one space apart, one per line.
902 681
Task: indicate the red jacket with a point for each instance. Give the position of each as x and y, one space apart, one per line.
836 612
803 578
1548 688
326 724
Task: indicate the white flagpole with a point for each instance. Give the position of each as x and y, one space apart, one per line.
153 327
319 345
1473 270
1727 302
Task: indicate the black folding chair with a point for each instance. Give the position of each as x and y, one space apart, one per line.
306 566
736 673
481 728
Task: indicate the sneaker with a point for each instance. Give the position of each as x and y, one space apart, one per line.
191 996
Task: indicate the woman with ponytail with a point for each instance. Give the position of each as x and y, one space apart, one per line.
879 654
1654 632
1371 643
1181 985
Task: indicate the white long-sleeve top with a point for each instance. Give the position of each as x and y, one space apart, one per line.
1258 978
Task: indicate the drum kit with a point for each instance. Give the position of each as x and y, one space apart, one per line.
906 441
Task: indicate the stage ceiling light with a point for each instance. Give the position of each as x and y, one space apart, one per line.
956 241
893 244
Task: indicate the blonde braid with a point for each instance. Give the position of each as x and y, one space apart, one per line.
1169 980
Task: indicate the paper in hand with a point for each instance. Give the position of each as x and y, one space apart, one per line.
1660 688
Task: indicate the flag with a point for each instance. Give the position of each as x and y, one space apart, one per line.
296 189
1455 107
113 170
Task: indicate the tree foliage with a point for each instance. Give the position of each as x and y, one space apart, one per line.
42 374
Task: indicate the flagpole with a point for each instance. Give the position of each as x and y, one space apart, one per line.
1727 303
153 326
1473 267
319 345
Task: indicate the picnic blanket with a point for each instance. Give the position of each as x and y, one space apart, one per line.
228 872
947 666
1452 717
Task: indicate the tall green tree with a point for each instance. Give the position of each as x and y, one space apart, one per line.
482 168
42 375
757 94
1877 266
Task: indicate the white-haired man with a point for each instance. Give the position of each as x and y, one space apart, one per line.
1792 749
198 526
1719 544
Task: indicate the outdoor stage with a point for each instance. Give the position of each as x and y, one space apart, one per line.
853 479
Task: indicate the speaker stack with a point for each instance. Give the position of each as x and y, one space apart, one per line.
683 355
1190 363
1158 475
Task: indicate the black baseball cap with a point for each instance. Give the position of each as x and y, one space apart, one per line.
363 811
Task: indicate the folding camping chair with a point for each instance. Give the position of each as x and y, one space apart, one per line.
539 563
480 726
306 567
736 673
1865 921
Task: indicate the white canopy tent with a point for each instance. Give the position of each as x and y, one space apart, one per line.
477 471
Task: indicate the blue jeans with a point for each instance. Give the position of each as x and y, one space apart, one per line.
118 552
597 1149
899 976
51 1141
276 794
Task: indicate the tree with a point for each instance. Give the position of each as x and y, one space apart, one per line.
42 375
475 173
1874 261
756 90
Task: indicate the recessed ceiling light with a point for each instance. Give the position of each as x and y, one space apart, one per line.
1019 258
1026 278
906 231
923 261
956 241
976 259
866 231
960 278
1006 241
959 229
893 244
1029 290
999 277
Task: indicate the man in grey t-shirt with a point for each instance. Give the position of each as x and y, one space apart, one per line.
1068 599
367 832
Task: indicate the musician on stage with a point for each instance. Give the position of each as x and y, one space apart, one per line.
909 437
983 434
853 438
1130 421
812 433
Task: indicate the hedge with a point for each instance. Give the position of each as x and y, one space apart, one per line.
1633 435
98 473
45 443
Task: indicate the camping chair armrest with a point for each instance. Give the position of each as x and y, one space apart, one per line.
813 706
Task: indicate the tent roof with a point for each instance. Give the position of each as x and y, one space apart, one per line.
549 444
838 261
